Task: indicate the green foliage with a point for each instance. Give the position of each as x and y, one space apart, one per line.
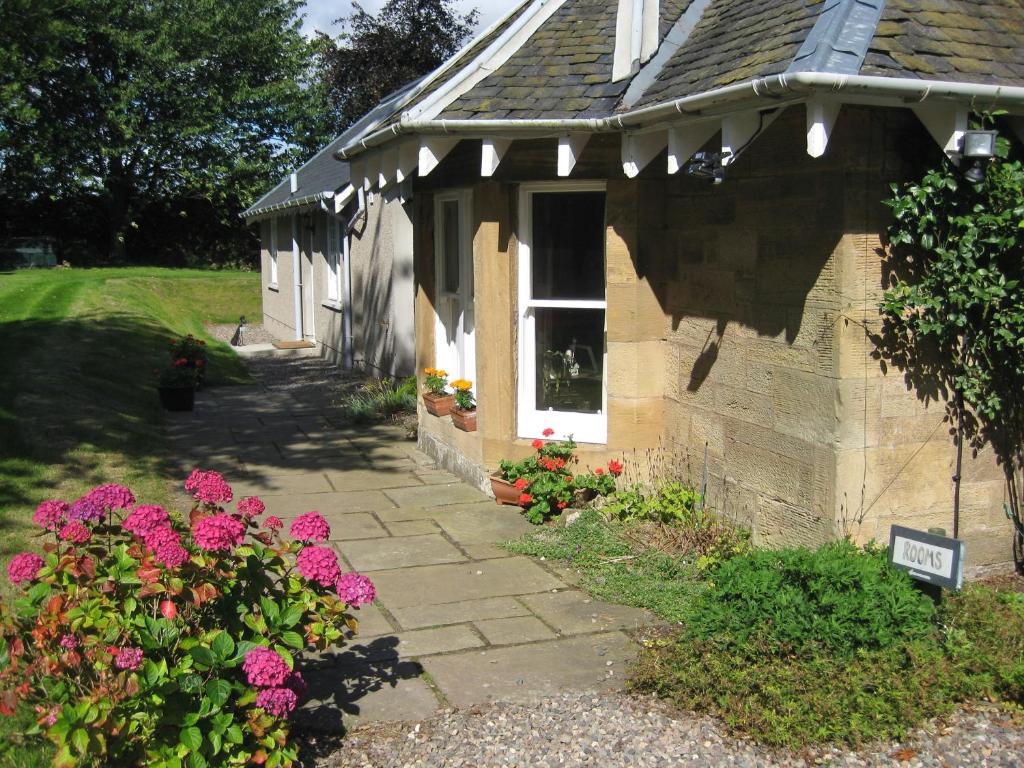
379 399
462 391
435 380
954 310
612 568
376 55
186 699
837 598
669 503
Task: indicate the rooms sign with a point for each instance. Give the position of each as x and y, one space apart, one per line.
927 557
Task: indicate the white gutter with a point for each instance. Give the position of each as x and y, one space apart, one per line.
773 91
298 202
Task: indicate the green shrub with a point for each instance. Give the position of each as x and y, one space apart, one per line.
838 598
380 399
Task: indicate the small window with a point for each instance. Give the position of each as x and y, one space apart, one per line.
333 257
273 252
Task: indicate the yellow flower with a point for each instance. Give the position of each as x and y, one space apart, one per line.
462 384
430 371
441 374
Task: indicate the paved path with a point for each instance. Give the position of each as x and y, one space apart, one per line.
458 621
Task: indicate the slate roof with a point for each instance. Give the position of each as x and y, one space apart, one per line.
961 40
564 70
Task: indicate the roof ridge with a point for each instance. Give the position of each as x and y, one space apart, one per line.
839 39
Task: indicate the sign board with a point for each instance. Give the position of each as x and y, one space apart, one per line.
933 559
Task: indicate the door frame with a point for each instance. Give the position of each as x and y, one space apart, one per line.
460 363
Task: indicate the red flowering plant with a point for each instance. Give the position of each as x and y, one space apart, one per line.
193 352
548 482
139 639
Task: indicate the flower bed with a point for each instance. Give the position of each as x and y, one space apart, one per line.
140 640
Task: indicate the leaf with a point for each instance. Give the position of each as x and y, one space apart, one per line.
293 615
203 656
294 639
223 646
191 737
80 740
218 691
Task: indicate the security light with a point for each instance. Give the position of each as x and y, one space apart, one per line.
980 146
708 165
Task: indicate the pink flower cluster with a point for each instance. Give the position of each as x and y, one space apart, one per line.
279 702
24 567
355 589
310 527
145 519
319 565
127 658
86 508
112 496
251 506
273 523
69 642
50 514
75 532
218 532
209 487
264 668
165 543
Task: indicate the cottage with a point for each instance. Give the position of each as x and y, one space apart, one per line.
657 226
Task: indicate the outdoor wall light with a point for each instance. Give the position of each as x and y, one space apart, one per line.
980 147
708 165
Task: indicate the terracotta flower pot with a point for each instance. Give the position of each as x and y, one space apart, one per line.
177 398
504 491
464 420
438 405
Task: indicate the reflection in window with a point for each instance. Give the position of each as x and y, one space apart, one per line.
450 240
567 253
570 354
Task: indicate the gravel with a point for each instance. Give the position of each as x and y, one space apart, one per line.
253 334
617 730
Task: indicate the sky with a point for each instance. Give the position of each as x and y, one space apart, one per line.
321 13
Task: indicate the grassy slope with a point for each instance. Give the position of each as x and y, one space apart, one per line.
78 403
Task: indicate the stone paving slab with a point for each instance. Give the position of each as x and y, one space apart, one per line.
434 495
346 527
284 485
417 616
406 587
575 612
425 642
372 623
399 552
484 524
412 528
371 479
524 629
333 505
529 672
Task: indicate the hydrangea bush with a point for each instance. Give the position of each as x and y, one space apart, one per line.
548 482
139 639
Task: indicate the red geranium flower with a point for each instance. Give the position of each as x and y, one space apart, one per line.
521 483
538 444
562 504
615 467
548 432
525 498
599 471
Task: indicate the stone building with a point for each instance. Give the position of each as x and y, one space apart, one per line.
658 227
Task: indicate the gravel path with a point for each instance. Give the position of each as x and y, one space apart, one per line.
254 334
619 731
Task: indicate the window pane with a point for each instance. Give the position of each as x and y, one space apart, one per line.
568 245
450 243
570 360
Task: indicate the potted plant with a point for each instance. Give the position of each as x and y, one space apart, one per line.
193 352
545 483
177 387
436 400
464 412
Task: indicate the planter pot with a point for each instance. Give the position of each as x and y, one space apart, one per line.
504 491
438 405
177 398
464 420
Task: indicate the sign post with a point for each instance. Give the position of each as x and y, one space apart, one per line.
928 557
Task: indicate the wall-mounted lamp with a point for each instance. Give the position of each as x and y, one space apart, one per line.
708 165
979 147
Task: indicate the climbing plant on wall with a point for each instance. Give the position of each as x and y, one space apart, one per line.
953 309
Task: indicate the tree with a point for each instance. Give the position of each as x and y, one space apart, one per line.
953 313
376 55
127 103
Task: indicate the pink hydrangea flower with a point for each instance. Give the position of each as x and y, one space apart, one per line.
297 684
310 527
127 658
112 496
355 589
68 642
218 532
145 518
279 702
273 523
86 508
24 567
75 532
194 479
165 543
319 565
251 506
50 514
50 718
264 668
209 487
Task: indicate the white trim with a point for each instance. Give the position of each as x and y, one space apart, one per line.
332 262
272 254
297 276
459 359
530 422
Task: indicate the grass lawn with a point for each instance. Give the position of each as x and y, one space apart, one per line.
78 403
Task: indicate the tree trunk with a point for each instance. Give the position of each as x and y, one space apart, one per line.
117 204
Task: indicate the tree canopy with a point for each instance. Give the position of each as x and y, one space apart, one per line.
119 105
376 55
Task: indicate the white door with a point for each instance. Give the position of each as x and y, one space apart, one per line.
307 281
455 346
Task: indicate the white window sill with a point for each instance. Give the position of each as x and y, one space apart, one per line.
332 304
273 287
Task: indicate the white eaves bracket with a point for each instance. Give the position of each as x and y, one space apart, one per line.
434 149
492 151
821 118
946 123
569 150
684 141
638 149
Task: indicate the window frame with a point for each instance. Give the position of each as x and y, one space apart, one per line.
530 421
464 364
272 254
333 263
